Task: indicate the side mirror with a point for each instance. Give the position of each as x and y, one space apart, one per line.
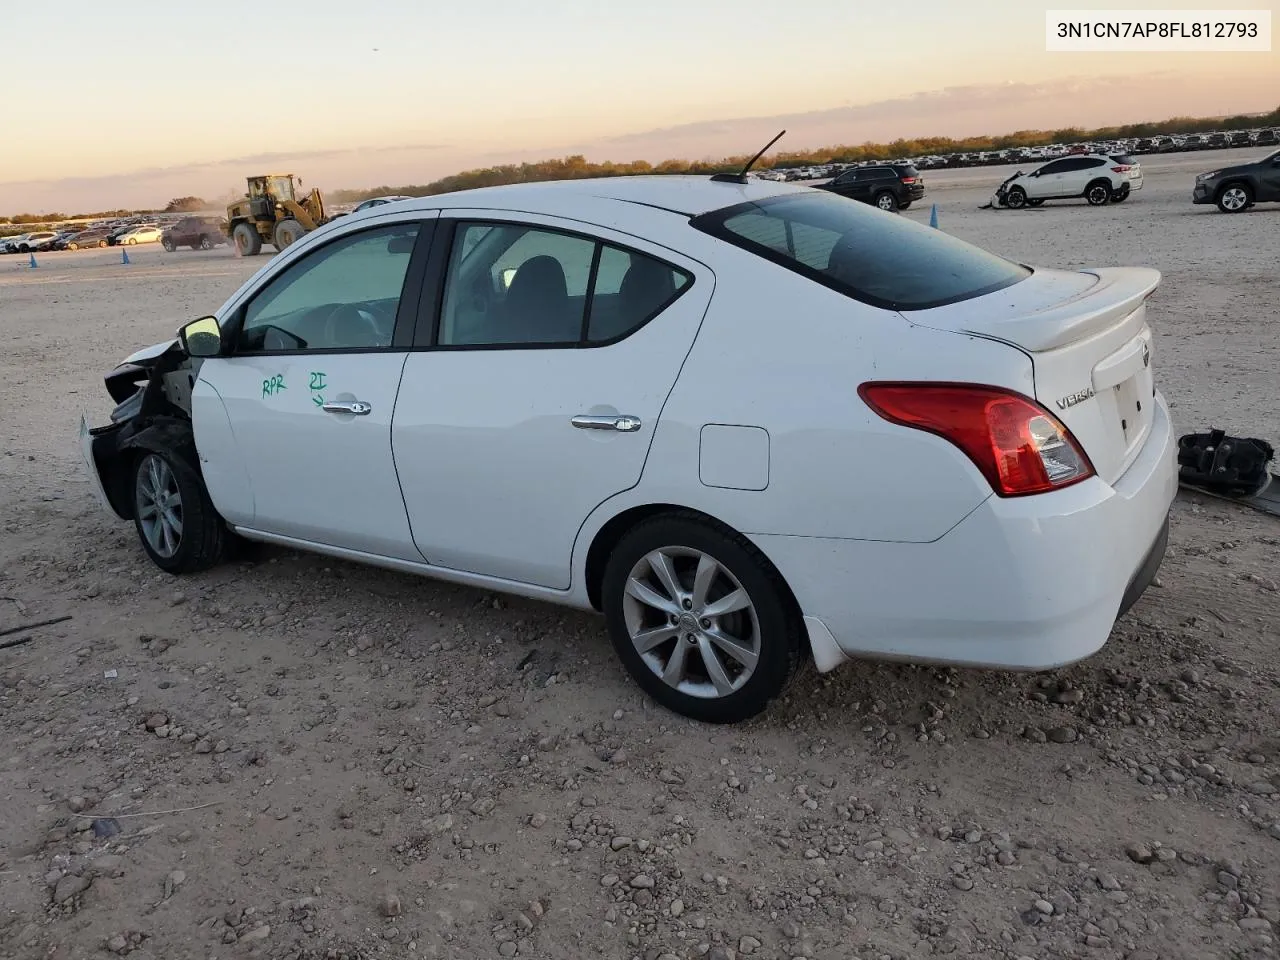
201 338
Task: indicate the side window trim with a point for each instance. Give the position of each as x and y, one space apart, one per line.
411 289
431 306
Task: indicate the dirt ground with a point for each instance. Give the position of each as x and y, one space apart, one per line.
299 758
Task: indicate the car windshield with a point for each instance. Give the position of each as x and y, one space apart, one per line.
883 259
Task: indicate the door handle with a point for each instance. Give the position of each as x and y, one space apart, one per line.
622 424
357 407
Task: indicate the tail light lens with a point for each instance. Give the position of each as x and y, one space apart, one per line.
1018 445
908 179
1122 168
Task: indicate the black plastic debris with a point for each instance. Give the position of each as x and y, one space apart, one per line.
105 827
1230 468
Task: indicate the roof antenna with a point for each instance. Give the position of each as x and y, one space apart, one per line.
741 176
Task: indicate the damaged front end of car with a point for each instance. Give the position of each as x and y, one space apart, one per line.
152 390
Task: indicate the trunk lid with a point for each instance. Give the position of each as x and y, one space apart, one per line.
1090 345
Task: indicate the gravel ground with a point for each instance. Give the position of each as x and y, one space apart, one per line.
299 758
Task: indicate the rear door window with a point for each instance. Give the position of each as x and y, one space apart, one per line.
886 261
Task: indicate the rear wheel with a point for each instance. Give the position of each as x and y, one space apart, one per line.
1016 198
287 232
700 618
205 242
887 201
248 243
168 245
176 521
1235 198
1098 193
73 246
103 243
1120 196
132 241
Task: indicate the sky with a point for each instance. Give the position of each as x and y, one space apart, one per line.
132 102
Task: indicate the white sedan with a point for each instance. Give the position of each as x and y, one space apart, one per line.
140 235
750 423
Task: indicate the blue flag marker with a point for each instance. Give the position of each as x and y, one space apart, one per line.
933 217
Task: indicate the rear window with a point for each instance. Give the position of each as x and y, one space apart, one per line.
882 259
1123 158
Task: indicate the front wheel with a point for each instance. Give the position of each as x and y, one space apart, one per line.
887 201
132 241
287 232
1016 198
176 521
1098 193
103 243
168 245
73 246
1235 198
701 619
248 243
206 243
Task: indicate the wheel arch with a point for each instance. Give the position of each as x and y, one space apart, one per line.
616 527
1240 181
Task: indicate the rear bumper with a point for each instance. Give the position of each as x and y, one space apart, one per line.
1021 583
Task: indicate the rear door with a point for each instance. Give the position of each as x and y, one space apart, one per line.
538 394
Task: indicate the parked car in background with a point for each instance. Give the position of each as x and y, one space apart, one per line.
887 186
10 244
32 241
139 235
929 474
377 202
93 237
198 233
1235 189
1097 178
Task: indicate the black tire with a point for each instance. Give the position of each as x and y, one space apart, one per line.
103 243
248 243
73 246
1038 202
204 538
168 245
287 233
1121 195
886 201
779 640
205 243
1015 198
1235 197
1098 193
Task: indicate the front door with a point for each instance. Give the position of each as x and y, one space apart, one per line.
1269 179
294 426
538 400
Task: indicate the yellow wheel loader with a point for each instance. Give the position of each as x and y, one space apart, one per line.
272 212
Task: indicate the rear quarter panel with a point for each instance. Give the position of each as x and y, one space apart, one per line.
783 354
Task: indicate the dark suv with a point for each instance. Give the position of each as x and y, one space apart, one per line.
1235 189
198 233
889 186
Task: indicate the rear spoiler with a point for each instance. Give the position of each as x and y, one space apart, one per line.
1119 291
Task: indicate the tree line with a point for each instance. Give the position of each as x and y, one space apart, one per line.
577 166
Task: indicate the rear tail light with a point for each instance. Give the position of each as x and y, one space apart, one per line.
1018 445
908 179
1122 168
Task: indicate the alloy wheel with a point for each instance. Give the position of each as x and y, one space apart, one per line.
159 505
692 622
1234 198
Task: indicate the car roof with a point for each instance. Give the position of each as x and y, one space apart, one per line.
686 195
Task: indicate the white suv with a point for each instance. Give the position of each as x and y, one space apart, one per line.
1096 177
